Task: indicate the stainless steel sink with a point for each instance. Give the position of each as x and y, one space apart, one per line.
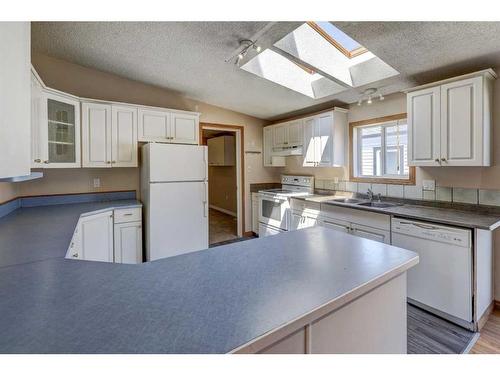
377 204
348 200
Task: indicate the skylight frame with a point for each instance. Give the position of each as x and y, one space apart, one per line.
349 54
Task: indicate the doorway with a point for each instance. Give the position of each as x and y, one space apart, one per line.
225 181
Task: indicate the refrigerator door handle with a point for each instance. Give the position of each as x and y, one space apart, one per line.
205 199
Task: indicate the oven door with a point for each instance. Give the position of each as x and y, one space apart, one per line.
273 211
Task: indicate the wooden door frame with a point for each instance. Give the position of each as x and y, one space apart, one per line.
240 172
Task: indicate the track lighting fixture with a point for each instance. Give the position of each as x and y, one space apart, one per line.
245 46
368 95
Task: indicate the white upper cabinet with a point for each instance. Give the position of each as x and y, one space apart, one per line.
449 122
153 125
325 139
55 124
15 113
424 136
124 136
96 135
109 135
166 126
269 159
185 128
288 134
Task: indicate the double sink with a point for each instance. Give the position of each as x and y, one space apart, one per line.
363 202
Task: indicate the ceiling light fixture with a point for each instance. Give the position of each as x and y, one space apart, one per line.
368 96
245 46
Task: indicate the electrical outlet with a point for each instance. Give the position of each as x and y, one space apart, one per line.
97 182
429 185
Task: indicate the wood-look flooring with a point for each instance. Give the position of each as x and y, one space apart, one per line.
222 227
489 339
429 334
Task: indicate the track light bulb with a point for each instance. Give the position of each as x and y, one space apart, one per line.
369 101
257 48
240 56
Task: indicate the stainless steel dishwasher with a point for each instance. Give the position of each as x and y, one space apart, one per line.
442 281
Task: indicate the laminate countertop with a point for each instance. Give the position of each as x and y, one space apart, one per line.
210 301
443 215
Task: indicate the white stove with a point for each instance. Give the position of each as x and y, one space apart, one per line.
274 204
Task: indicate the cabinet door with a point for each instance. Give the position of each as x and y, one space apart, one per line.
461 123
295 133
62 117
267 146
423 108
371 233
300 221
342 226
96 237
39 141
310 154
215 151
280 138
184 128
324 139
128 243
15 148
96 135
124 136
153 125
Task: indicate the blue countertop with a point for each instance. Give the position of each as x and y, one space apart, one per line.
211 301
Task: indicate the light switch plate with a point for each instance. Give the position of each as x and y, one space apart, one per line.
97 182
429 185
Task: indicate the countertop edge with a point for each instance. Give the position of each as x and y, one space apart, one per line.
268 338
111 207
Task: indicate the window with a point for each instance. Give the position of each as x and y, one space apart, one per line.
340 40
380 150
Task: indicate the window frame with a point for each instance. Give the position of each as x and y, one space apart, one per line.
350 54
390 179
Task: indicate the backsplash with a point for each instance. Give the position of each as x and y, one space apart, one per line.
415 192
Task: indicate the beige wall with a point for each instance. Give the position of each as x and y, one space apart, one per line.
86 82
222 188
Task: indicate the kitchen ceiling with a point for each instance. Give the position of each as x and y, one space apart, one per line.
189 57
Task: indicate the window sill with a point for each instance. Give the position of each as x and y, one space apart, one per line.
388 181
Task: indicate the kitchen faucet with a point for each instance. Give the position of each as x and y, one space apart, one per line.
370 194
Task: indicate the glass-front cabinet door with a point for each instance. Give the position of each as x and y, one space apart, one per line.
61 124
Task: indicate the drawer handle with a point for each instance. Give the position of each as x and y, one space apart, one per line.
129 214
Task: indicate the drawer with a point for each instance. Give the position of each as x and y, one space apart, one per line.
305 206
125 215
352 215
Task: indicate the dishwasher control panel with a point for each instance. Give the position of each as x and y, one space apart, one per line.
457 236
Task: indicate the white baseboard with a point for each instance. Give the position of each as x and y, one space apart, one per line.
223 210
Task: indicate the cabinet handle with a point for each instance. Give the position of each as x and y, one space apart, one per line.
436 160
443 159
108 162
75 255
46 162
37 160
127 214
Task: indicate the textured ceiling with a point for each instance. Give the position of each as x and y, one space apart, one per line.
188 57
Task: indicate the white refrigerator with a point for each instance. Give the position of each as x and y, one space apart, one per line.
174 191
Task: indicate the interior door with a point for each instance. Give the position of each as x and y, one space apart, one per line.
124 136
184 129
461 122
424 124
324 139
178 219
96 135
172 163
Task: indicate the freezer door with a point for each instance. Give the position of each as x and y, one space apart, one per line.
177 219
172 163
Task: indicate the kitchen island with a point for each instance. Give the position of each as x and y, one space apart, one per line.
309 291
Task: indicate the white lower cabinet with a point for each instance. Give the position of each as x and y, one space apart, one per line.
96 237
300 221
255 213
341 226
374 234
128 243
110 236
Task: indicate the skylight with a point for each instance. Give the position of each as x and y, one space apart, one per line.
317 59
338 38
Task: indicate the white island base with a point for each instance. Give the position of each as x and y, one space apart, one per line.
373 322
